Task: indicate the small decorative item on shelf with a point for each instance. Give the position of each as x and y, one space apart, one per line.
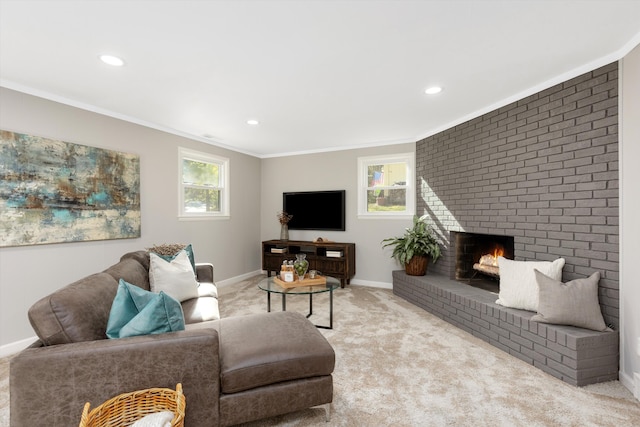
284 219
301 265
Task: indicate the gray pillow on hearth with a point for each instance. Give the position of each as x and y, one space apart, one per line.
574 303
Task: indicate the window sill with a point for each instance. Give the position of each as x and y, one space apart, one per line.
385 216
202 217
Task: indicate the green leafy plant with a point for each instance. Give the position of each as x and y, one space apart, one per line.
417 240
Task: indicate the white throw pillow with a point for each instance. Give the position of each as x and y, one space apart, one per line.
157 419
175 278
518 286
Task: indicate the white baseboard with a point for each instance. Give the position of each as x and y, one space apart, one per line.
16 347
236 279
631 383
372 284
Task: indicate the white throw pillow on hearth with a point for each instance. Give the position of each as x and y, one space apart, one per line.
175 278
518 285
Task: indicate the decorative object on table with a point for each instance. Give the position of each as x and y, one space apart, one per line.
127 408
54 191
300 265
414 249
322 240
286 271
284 219
312 274
307 281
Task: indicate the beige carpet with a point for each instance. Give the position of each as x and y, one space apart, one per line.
398 365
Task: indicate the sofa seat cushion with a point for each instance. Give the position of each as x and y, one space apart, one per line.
200 309
268 348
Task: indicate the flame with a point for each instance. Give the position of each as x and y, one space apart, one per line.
492 259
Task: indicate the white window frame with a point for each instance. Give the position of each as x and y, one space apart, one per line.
224 185
363 164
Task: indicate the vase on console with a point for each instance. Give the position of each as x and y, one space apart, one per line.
283 219
284 232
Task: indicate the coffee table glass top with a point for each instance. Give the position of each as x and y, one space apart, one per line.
269 285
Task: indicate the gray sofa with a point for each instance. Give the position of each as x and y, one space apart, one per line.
232 370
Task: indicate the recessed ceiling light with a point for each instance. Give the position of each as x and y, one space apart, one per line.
253 122
112 60
433 90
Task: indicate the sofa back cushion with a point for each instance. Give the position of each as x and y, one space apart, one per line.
78 312
131 271
141 256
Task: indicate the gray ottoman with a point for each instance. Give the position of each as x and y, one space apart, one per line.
272 364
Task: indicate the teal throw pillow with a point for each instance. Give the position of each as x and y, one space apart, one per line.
138 312
187 248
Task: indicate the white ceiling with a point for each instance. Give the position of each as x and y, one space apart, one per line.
318 75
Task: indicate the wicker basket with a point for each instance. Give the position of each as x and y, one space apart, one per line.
127 408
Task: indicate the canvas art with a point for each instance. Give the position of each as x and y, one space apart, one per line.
55 191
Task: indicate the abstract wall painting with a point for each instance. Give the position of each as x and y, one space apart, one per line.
54 191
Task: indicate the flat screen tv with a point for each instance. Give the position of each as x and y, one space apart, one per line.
315 210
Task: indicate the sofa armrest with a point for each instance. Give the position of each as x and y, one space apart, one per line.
50 385
204 272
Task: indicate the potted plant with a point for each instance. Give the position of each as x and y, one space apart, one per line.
415 247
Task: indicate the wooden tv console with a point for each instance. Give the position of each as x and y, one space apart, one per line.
341 267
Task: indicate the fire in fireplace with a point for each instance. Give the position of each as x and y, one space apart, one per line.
476 258
488 263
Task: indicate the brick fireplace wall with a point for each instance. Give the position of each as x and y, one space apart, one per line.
544 170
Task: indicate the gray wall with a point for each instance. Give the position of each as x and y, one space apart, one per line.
544 170
629 224
30 272
333 171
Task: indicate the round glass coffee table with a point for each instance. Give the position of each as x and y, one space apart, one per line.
270 286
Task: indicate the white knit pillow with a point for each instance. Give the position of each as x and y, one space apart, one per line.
175 278
518 286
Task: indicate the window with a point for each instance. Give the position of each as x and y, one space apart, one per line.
204 185
386 186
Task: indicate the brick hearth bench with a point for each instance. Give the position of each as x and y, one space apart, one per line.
574 355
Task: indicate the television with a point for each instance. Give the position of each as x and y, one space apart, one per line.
315 210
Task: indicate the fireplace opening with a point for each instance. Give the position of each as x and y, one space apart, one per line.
476 258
